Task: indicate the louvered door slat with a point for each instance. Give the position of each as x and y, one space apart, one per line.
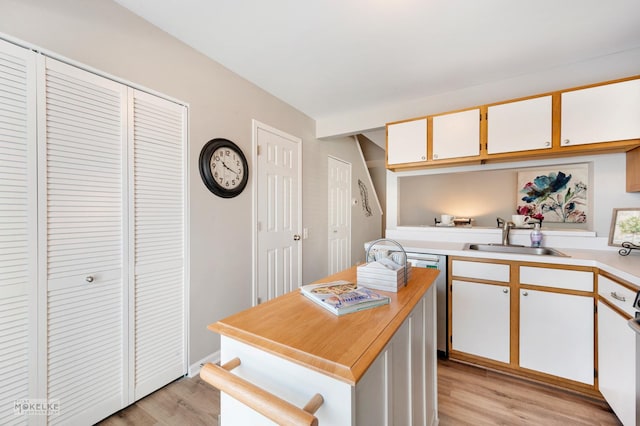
158 251
17 229
85 236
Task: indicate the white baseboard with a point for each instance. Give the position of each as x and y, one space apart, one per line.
194 369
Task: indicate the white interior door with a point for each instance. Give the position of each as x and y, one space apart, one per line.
18 227
157 252
82 182
278 213
339 205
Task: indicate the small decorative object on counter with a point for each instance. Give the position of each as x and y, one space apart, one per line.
536 236
627 247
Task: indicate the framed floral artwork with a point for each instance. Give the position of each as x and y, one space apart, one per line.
554 195
625 227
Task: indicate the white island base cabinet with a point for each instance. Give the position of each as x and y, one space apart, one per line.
399 388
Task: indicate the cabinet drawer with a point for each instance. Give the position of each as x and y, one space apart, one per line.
481 270
558 278
616 294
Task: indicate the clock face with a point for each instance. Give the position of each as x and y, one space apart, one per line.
227 167
223 168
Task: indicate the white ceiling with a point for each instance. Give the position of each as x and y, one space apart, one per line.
334 57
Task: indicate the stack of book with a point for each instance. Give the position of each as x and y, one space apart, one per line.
343 297
383 274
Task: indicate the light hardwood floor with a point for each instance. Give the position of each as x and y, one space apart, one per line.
466 396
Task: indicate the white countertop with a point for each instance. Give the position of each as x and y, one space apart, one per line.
624 267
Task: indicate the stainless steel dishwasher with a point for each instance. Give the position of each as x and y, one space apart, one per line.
439 262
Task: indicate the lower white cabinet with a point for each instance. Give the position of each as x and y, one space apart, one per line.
480 322
547 324
617 363
556 334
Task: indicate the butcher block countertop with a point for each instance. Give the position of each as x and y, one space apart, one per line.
343 347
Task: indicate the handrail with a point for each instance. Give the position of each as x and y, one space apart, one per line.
264 402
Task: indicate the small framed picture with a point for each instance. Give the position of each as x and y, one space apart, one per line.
625 227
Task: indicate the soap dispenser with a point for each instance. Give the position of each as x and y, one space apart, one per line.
536 235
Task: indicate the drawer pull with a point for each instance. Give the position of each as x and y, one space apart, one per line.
266 403
617 297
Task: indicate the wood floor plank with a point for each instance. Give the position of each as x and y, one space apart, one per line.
467 396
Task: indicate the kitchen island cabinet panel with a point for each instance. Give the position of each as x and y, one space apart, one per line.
556 334
376 366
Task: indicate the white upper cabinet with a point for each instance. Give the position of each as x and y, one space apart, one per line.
601 114
519 126
407 142
456 135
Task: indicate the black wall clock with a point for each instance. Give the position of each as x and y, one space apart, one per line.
223 168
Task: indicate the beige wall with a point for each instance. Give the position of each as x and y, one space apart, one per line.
107 37
487 194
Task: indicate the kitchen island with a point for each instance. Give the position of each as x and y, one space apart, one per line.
376 366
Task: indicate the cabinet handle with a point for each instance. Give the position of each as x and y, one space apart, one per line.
620 298
505 290
264 402
566 141
547 143
435 155
524 293
423 157
89 279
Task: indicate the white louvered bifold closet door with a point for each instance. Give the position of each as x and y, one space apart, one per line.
18 229
158 229
82 205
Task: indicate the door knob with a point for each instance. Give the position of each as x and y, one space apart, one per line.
89 279
296 237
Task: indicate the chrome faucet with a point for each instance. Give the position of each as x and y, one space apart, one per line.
506 227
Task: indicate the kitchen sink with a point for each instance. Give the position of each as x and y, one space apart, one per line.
500 248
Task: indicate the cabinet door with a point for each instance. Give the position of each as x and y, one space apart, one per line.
456 135
617 363
601 114
18 243
407 142
82 231
480 319
519 126
556 334
158 229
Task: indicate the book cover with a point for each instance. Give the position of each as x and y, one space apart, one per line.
343 297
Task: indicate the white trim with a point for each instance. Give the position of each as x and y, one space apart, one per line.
42 51
194 369
366 167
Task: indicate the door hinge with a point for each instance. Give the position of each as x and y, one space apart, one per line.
257 149
595 373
